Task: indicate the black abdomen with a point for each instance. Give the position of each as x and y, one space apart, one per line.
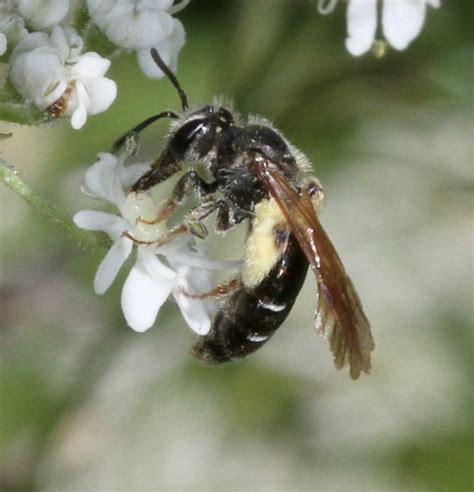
251 315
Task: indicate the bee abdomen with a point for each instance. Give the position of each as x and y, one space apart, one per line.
252 315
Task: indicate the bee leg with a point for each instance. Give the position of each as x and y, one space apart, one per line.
221 290
225 219
191 181
164 214
163 167
166 238
140 127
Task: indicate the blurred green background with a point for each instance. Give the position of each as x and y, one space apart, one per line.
87 404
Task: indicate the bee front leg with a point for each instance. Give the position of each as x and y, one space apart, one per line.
121 141
163 167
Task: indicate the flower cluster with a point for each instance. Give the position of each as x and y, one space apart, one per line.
48 67
179 267
402 21
49 70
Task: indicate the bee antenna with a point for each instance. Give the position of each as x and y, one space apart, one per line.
171 76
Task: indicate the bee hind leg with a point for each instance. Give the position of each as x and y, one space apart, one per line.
221 290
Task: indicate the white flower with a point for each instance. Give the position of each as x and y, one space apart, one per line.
12 26
48 69
3 43
402 21
175 268
42 14
141 25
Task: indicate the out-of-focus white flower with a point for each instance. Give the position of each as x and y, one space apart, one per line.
174 268
141 25
3 43
50 69
402 21
42 14
132 24
12 26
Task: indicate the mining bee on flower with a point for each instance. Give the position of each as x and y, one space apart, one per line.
258 177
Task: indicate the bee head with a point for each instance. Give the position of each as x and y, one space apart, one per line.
195 136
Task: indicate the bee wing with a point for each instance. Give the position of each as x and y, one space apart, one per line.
339 314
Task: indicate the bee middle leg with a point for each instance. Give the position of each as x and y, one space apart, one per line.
191 181
165 238
224 220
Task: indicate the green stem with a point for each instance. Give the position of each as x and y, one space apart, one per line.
86 240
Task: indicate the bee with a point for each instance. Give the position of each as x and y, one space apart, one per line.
260 178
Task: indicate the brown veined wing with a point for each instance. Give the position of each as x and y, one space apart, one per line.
339 314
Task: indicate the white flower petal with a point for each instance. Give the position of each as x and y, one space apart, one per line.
361 25
89 65
93 220
142 297
79 116
402 21
30 42
111 264
74 42
102 93
194 312
168 49
131 174
59 41
100 179
153 265
176 244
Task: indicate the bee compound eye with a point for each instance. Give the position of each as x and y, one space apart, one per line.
189 131
186 135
